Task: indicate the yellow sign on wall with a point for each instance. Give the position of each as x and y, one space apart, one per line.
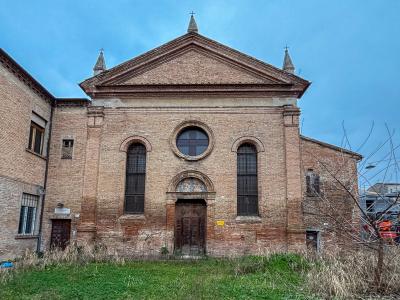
220 222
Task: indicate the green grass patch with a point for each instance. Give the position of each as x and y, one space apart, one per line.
279 276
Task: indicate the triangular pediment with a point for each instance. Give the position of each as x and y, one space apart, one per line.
193 63
195 67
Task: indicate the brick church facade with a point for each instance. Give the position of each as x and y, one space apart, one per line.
192 147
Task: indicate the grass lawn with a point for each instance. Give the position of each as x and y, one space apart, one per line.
276 277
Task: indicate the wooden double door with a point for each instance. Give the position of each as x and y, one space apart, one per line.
60 233
190 227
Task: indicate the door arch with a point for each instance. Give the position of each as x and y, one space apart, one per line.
190 212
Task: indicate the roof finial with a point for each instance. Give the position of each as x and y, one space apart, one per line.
287 62
192 24
100 65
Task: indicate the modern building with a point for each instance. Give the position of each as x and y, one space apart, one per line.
381 198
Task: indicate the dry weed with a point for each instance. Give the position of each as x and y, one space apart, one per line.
74 254
351 275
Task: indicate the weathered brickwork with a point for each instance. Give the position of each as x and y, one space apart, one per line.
333 212
105 168
21 171
190 81
65 176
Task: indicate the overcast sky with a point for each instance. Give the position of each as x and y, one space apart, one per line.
349 50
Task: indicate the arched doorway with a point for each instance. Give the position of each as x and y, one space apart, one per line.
190 218
190 227
190 212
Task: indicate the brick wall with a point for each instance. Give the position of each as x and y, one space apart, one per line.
20 170
65 176
92 183
333 212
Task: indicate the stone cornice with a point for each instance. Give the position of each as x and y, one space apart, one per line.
200 90
198 110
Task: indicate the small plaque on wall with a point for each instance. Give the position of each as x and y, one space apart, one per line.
62 211
220 222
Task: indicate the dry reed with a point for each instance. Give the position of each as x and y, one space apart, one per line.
351 275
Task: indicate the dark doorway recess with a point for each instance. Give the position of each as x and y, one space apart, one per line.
60 233
190 226
312 240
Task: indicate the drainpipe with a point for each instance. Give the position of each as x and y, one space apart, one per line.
39 239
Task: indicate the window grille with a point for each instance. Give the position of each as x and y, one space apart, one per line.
67 148
135 179
27 216
247 181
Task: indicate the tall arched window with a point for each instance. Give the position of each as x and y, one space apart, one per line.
135 179
247 187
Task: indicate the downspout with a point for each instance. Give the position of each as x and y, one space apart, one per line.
39 238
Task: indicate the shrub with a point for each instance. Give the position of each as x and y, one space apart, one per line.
164 250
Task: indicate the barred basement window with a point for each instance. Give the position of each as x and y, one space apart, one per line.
247 186
67 148
27 217
312 183
135 179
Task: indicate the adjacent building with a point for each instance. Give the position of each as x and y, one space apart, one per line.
25 122
381 198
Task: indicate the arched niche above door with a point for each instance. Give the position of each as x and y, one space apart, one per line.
191 185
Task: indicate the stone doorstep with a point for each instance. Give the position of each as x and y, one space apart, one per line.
190 257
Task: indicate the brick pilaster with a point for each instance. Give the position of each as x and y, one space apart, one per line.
295 226
87 226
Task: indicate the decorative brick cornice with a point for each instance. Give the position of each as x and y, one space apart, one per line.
72 102
200 90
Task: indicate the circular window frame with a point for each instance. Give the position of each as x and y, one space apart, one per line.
180 128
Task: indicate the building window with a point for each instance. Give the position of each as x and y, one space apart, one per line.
67 147
135 179
36 138
312 183
27 217
247 185
192 141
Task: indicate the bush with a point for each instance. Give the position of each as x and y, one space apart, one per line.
164 250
